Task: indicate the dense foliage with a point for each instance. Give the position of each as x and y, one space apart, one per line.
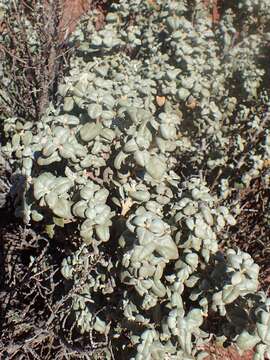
161 117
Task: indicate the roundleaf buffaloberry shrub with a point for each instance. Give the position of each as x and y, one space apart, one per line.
160 117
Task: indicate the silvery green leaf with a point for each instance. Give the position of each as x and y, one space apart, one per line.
111 17
158 288
172 319
15 140
206 212
107 134
260 353
102 195
87 228
183 94
94 111
123 103
230 219
196 243
66 271
147 270
200 229
191 281
91 213
236 278
49 160
97 148
27 152
79 150
230 294
172 74
157 226
153 206
196 194
183 202
162 144
234 260
96 41
79 208
177 237
49 149
102 70
167 131
93 95
155 168
102 215
51 199
87 161
68 119
43 184
107 115
62 208
190 209
100 326
90 130
67 151
60 132
178 216
142 286
144 236
62 89
247 341
220 221
103 232
143 138
217 297
141 218
142 196
264 332
202 355
264 317
27 138
79 90
192 260
27 163
87 192
119 159
130 146
132 114
141 157
109 41
108 101
176 300
206 253
190 223
167 248
143 252
195 294
36 216
173 23
62 185
253 271
68 104
194 318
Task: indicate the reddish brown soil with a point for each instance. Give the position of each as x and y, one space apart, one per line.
72 11
219 353
213 6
